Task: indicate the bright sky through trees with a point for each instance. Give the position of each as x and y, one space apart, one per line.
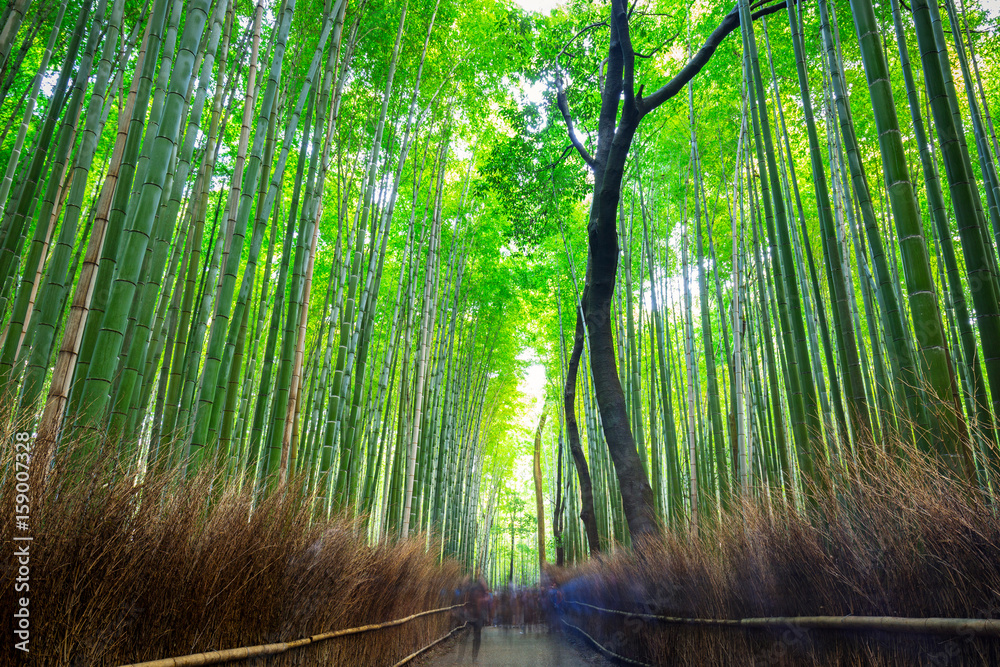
540 6
532 387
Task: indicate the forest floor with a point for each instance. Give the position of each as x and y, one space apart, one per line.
506 647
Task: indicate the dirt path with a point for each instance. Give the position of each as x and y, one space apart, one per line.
510 648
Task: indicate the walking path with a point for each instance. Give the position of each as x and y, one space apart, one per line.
506 647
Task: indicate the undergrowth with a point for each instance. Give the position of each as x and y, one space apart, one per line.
125 571
897 539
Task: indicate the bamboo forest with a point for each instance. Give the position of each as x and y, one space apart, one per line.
500 332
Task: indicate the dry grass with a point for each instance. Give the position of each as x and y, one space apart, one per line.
124 572
901 541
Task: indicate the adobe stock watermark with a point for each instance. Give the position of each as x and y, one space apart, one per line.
23 442
954 650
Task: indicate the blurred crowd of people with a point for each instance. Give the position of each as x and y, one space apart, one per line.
521 607
509 607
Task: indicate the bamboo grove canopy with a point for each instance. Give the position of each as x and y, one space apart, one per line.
323 240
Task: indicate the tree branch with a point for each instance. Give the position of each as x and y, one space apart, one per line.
555 163
664 43
698 61
577 36
611 93
568 118
619 17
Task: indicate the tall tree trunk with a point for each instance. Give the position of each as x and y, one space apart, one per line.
536 471
587 514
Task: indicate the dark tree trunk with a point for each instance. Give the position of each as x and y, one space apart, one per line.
557 529
637 495
510 577
573 435
614 139
536 471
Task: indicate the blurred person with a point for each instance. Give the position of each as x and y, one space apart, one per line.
518 609
553 607
478 613
522 603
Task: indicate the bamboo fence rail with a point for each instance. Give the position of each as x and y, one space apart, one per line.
431 645
605 650
940 626
246 652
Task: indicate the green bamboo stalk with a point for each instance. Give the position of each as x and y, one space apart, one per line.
56 284
62 375
847 346
904 370
13 241
967 214
222 322
96 389
801 398
116 221
936 204
919 280
29 109
130 374
17 11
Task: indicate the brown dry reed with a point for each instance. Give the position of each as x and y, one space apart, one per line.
899 539
125 571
